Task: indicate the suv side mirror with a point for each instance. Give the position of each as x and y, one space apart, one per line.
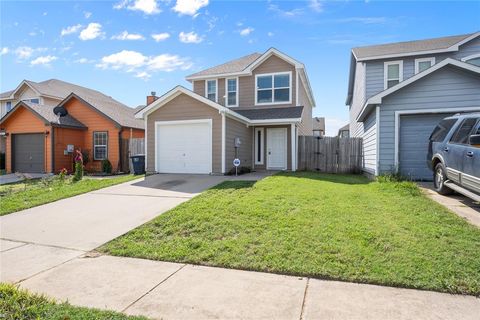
474 140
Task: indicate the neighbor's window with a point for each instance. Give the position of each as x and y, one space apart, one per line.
442 129
232 92
423 64
273 88
37 101
100 143
8 106
212 90
393 73
463 132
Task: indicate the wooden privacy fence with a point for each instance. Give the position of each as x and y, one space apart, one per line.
330 154
130 147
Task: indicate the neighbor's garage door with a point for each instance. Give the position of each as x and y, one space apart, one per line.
184 147
414 133
28 151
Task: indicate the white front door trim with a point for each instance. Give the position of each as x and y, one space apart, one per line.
420 111
269 146
166 123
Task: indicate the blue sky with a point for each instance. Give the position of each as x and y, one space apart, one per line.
128 48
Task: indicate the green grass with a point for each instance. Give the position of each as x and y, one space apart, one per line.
23 195
324 226
20 304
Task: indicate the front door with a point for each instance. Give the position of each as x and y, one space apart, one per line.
276 148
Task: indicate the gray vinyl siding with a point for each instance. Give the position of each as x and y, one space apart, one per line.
305 128
446 88
358 99
236 129
370 143
375 73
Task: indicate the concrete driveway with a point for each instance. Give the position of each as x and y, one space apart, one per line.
40 238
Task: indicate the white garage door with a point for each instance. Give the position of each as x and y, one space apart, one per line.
184 146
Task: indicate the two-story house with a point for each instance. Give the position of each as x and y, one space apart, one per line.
42 122
252 108
398 92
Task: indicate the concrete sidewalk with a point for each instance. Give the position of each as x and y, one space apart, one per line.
163 290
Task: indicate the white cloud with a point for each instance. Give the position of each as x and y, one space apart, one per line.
270 34
146 6
286 13
143 75
70 30
245 32
167 62
189 7
92 31
189 37
316 5
83 61
24 52
133 61
87 14
45 13
4 50
43 60
128 36
160 36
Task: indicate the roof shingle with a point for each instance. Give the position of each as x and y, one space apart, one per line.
408 46
236 65
271 113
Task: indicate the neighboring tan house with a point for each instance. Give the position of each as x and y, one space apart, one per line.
344 132
398 92
318 126
252 108
47 120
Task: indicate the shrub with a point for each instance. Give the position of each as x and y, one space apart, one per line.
390 177
78 175
241 170
62 175
86 157
106 166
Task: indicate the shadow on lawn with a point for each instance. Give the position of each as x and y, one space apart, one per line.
329 177
234 185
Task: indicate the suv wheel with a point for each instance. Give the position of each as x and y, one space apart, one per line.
439 178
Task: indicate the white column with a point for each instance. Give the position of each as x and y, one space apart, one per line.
293 147
224 131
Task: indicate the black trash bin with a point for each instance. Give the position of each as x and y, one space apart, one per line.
138 162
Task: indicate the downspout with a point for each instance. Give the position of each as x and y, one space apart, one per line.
377 124
52 142
119 150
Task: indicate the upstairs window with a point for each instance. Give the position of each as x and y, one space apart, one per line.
423 64
100 145
36 100
211 90
273 88
393 73
8 106
473 59
232 92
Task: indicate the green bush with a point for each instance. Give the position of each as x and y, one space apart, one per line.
78 175
106 166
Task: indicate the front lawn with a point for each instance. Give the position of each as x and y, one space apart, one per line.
20 304
23 195
324 226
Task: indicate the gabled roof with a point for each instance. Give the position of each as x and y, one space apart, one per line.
344 128
115 110
250 116
236 65
378 98
400 49
46 114
404 49
245 65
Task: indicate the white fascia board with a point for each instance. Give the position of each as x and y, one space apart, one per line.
219 75
275 121
377 99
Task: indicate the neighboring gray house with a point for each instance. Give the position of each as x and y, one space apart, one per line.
398 92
